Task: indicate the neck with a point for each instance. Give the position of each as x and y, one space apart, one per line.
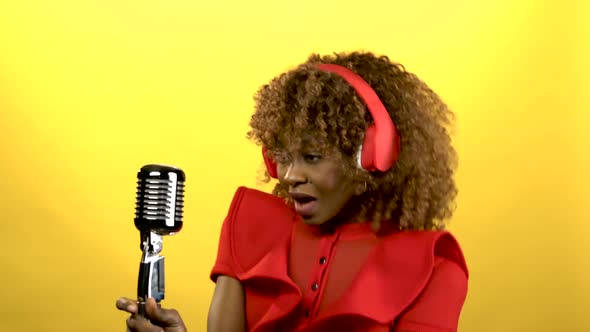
353 213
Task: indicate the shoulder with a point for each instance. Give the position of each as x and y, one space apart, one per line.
435 269
442 288
252 208
450 277
449 258
450 273
433 248
254 221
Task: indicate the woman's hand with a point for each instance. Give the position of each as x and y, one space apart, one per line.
160 320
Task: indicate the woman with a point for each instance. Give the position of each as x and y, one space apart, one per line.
352 237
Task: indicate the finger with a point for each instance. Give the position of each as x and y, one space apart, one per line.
162 317
139 324
126 304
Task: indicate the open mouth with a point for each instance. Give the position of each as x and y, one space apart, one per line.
301 198
305 204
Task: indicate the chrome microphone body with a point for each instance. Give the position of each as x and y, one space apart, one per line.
158 212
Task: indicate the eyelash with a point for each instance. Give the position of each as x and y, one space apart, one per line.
284 158
313 158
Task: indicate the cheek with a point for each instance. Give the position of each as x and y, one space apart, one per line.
335 181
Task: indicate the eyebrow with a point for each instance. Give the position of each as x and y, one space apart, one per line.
306 141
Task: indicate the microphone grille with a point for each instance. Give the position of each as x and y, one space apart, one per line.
160 199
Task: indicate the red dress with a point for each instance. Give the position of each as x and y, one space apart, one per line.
299 278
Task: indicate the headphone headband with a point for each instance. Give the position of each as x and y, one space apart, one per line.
386 141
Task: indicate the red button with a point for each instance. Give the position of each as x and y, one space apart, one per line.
315 286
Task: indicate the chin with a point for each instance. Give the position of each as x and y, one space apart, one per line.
312 220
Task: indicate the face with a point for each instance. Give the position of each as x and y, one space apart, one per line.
315 180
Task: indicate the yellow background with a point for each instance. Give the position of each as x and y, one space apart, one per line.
92 90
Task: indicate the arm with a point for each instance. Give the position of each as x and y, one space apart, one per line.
227 311
439 306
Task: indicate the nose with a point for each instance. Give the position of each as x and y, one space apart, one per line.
294 174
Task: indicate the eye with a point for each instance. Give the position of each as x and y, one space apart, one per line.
312 158
281 157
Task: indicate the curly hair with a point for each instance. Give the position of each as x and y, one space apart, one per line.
418 192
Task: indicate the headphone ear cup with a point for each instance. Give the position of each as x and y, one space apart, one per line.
367 158
271 166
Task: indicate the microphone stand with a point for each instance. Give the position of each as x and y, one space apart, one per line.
151 271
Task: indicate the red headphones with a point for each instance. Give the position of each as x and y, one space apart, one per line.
381 145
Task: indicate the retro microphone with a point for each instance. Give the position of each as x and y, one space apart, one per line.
158 212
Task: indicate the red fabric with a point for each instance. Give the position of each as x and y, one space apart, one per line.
398 281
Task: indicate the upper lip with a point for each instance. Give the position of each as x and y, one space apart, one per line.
300 196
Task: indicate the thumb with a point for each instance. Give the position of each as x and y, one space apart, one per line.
162 317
